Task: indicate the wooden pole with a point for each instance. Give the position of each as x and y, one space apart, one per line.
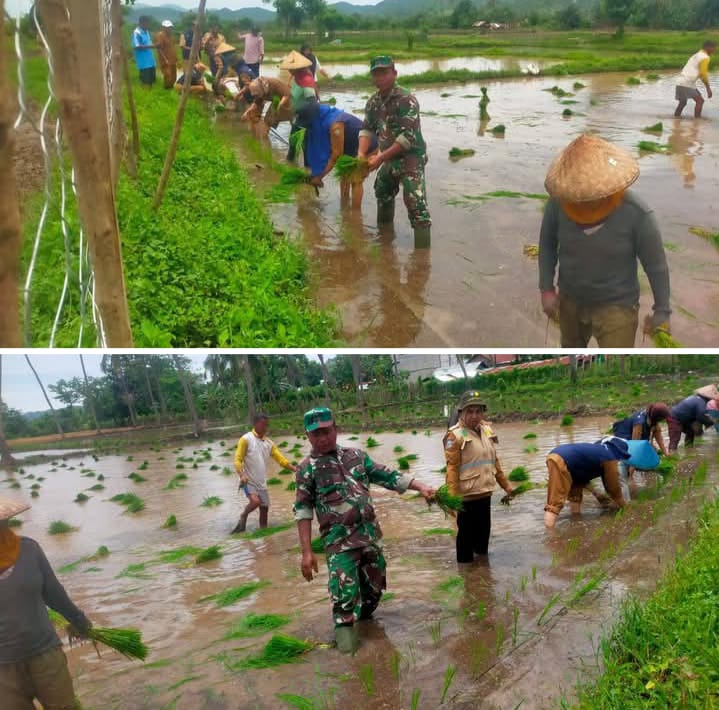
133 154
10 234
74 34
172 150
117 137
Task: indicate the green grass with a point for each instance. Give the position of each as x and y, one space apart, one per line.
59 527
519 473
209 554
211 502
256 625
266 532
132 503
279 650
230 596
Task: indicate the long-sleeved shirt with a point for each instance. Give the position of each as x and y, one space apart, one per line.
26 589
336 486
585 462
254 48
696 68
252 455
692 409
600 268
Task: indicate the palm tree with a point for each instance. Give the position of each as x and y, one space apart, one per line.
47 399
249 384
6 458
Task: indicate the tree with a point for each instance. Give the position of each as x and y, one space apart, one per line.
463 368
47 399
289 14
618 12
89 396
570 18
247 372
465 14
181 368
356 363
314 10
6 458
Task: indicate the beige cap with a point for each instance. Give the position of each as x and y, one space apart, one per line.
10 507
708 392
589 169
295 60
223 47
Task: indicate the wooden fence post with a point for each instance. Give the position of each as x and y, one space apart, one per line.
10 234
74 34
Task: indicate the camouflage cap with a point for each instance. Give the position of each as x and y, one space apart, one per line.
471 398
381 62
317 418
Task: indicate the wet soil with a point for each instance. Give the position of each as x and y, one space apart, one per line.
475 284
483 623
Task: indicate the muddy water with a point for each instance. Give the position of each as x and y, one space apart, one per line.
417 633
399 296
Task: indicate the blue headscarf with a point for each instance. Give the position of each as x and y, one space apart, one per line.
318 146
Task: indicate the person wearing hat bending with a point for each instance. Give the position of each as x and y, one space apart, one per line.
334 482
167 52
572 467
473 470
596 230
33 665
644 424
252 457
262 90
392 116
695 69
690 417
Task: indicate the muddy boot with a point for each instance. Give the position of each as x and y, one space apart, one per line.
385 212
368 608
240 527
422 237
550 519
347 640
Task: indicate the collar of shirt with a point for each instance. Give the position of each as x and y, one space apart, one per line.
257 436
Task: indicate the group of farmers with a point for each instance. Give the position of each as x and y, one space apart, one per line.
333 484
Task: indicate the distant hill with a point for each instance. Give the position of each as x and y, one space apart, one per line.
173 12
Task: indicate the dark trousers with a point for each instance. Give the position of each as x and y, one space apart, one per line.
474 524
255 66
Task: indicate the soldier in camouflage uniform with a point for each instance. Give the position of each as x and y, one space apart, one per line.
392 114
334 482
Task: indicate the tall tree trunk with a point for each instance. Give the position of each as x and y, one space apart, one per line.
622 365
127 397
6 458
357 376
89 396
189 399
47 399
464 369
573 369
249 386
148 384
325 379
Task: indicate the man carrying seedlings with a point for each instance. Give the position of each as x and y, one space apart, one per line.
572 467
695 69
334 482
392 115
142 46
690 417
32 662
473 470
596 230
252 457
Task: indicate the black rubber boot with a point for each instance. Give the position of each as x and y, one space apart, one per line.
422 237
385 213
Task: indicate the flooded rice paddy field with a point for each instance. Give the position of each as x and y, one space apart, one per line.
473 630
388 293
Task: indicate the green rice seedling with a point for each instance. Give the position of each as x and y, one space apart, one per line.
435 630
14 523
179 553
35 486
170 522
523 582
519 473
662 339
291 486
656 128
180 465
450 587
57 620
256 625
366 676
284 472
130 458
274 481
97 487
458 153
101 477
388 596
481 611
135 570
226 471
265 532
438 531
211 502
567 420
515 625
128 642
633 81
652 147
578 85
318 545
176 481
534 574
143 466
589 586
522 488
229 596
414 702
371 442
299 702
214 467
531 449
558 92
33 494
354 438
530 435
81 498
499 638
132 503
137 478
567 112
700 474
60 527
446 501
477 655
280 649
498 130
208 555
448 678
553 601
297 140
15 484
398 449
350 168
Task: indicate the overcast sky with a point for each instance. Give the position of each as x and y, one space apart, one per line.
20 390
12 5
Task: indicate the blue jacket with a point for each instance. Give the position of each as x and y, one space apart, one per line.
318 143
623 428
691 409
584 461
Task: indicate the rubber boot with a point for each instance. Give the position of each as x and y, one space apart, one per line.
422 237
347 640
550 519
368 608
385 212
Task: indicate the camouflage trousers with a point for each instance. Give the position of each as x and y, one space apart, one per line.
356 581
407 172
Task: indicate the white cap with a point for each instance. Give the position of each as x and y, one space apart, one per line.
167 23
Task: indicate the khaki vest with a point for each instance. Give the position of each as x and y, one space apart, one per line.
479 453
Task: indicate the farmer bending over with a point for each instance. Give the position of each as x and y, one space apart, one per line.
690 417
695 69
644 424
597 229
33 665
334 482
572 467
252 456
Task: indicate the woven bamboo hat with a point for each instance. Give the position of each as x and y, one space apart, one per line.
708 392
294 60
10 507
590 169
223 47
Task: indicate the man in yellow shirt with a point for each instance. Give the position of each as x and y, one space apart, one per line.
252 457
696 68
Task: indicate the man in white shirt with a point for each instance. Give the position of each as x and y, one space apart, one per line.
695 69
252 457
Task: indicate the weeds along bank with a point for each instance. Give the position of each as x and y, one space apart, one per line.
205 270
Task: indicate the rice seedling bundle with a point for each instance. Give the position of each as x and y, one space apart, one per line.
60 527
461 152
280 649
137 478
265 532
653 147
256 625
274 481
522 488
662 339
176 481
318 545
567 112
132 503
128 642
229 596
633 81
518 474
372 442
143 466
97 487
14 523
567 420
578 85
530 435
81 498
446 501
656 128
35 486
211 502
291 486
438 531
293 176
403 463
101 477
208 555
531 449
15 484
297 140
33 494
171 522
499 130
350 168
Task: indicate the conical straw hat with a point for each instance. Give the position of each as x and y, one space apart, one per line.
223 47
589 169
295 60
708 392
9 507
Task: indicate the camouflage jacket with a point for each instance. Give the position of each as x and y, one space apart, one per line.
336 487
395 119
